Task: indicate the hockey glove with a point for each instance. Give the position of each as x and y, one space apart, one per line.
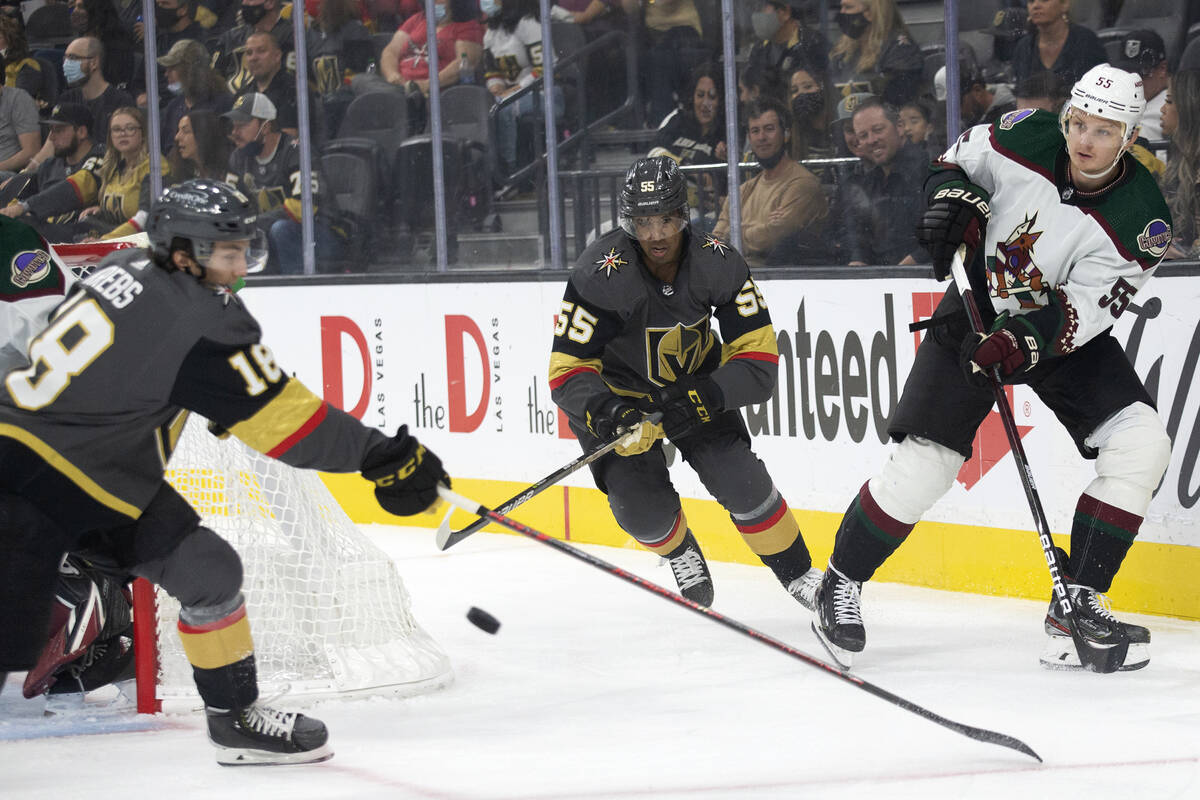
1012 347
957 214
607 413
686 404
406 476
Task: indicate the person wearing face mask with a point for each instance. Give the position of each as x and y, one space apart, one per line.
257 16
83 66
193 86
810 100
876 53
405 60
781 199
695 134
785 42
98 19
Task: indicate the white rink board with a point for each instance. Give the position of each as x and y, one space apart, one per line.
464 365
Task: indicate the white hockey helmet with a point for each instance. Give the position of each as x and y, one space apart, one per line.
1110 93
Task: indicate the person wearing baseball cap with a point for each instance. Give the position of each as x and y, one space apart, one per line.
1142 52
70 140
1007 28
844 140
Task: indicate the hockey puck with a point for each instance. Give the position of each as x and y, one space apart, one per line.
483 620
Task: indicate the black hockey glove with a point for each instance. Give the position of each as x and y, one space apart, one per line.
406 476
1012 346
686 404
607 412
957 213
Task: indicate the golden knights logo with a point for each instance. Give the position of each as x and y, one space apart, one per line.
677 351
610 262
1011 270
717 246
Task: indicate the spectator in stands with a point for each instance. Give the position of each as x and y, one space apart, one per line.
513 61
785 43
20 137
845 142
405 60
696 135
876 53
981 103
781 199
72 147
193 84
339 47
112 198
266 167
257 16
1180 120
264 61
1008 26
917 125
880 225
21 69
1045 90
672 47
99 19
83 66
202 147
811 102
1143 52
1056 44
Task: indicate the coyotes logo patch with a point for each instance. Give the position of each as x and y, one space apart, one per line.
1012 272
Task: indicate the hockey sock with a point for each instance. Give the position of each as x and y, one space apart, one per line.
1101 535
773 535
666 544
866 537
221 653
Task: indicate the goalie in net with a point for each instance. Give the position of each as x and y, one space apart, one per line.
88 425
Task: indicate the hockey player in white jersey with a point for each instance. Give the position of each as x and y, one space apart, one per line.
1062 227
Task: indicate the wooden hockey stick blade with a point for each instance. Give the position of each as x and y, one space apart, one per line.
979 734
446 538
1093 656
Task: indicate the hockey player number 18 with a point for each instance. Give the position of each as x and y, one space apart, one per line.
59 353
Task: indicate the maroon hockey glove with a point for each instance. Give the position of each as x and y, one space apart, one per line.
1012 347
686 404
606 413
958 213
405 475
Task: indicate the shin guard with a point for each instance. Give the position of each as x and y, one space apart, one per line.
772 534
1101 535
221 653
866 537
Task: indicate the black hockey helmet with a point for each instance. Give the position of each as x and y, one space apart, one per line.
200 212
653 186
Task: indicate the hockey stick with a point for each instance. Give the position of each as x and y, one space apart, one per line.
1093 656
447 538
980 734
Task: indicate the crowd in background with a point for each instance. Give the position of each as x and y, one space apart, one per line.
838 122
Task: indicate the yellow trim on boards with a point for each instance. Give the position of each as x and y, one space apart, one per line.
1155 578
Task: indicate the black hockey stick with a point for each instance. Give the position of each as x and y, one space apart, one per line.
980 734
447 538
1092 656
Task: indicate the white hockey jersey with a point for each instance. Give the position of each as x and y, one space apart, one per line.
1071 262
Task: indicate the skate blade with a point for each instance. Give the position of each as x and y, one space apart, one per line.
1060 654
843 658
247 757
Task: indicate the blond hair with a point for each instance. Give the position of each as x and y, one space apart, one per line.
885 23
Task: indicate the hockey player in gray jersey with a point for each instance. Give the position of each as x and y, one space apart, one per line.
1076 227
87 429
634 335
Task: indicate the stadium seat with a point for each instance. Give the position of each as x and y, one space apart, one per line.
349 179
1161 16
381 116
465 116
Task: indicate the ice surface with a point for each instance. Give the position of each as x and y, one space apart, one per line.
594 688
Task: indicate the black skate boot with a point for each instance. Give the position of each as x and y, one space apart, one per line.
1097 624
838 624
804 588
261 735
691 571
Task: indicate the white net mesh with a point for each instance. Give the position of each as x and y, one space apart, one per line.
328 611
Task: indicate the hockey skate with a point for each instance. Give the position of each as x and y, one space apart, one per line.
691 571
264 736
804 588
838 624
1097 624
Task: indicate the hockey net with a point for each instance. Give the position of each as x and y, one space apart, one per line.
328 611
